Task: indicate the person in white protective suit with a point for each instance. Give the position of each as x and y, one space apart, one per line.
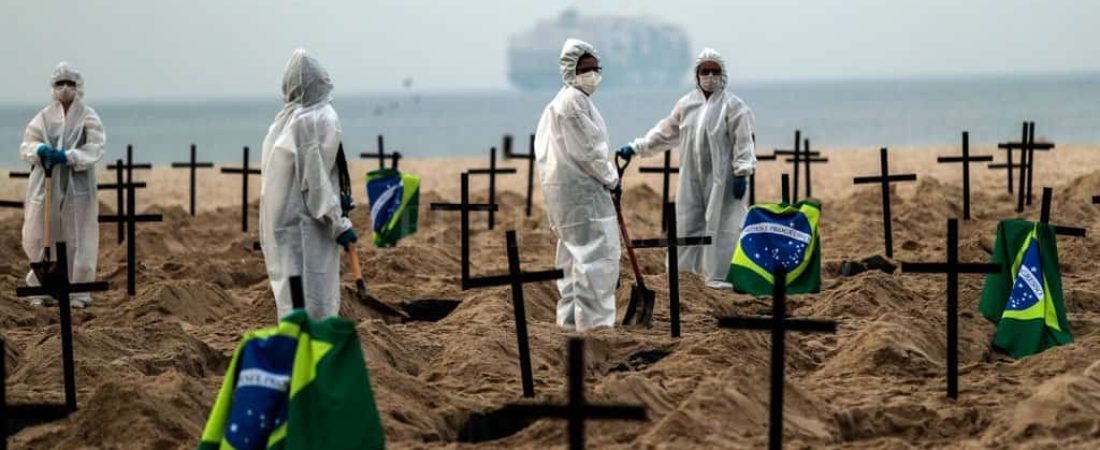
67 138
571 153
713 131
301 226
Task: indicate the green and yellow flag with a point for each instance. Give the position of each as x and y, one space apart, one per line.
1025 300
298 386
778 234
394 205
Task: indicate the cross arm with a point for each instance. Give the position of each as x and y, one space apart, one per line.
198 165
460 207
889 179
489 171
240 170
658 243
505 280
955 159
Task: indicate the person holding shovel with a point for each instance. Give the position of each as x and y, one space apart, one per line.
302 227
713 130
576 176
63 143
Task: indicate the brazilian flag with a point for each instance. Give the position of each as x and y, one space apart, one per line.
778 234
300 385
1025 300
394 205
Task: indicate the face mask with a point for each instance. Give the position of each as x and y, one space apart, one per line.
64 94
710 83
588 82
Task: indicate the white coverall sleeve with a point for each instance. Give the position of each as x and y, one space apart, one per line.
95 143
663 136
34 136
740 126
585 143
322 199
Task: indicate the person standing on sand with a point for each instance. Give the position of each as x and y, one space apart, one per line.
301 226
576 176
67 139
713 130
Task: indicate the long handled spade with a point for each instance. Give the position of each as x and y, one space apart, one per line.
640 296
353 256
46 270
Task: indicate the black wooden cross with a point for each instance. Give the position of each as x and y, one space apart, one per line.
492 172
952 268
1044 217
578 410
18 204
1009 147
785 188
672 243
58 287
752 178
1032 146
382 155
795 152
884 179
515 278
464 207
965 159
130 218
192 165
779 324
120 185
244 171
130 164
530 157
807 158
666 171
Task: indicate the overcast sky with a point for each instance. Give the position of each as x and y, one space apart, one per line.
203 49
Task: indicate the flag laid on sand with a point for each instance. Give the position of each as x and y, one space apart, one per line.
394 205
1025 299
300 385
778 234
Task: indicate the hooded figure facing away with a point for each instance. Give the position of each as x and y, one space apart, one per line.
301 226
713 130
576 176
67 137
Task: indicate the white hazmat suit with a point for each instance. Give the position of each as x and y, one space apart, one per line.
714 137
300 214
571 153
74 208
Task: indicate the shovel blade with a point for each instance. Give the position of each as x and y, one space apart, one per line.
374 303
640 309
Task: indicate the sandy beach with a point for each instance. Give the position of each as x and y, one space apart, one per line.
148 368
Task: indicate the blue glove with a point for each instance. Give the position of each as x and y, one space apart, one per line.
346 202
739 186
58 157
44 151
347 238
626 152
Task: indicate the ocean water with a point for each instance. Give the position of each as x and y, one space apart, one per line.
865 113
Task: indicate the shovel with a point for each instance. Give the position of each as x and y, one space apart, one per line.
640 309
353 255
46 270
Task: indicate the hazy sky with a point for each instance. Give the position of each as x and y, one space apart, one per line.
201 49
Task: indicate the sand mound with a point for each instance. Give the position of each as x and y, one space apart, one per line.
148 368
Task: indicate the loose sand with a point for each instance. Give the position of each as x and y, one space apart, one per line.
148 368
